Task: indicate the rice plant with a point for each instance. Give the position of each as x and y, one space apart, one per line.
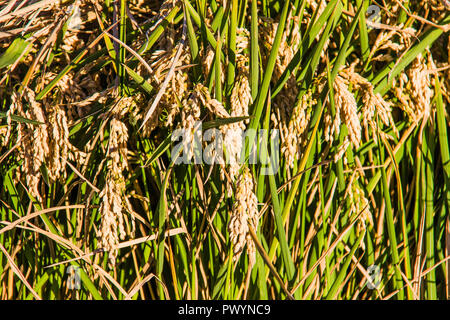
235 149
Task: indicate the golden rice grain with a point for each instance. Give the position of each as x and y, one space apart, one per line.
421 91
346 111
208 62
294 135
190 114
32 139
414 90
3 135
341 150
47 143
58 144
290 126
239 103
373 104
359 204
